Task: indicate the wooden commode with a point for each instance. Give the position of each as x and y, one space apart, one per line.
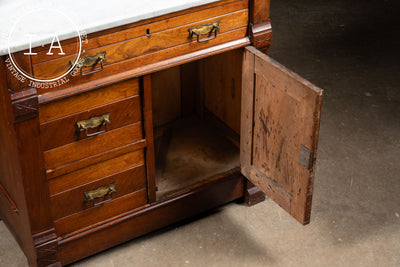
164 118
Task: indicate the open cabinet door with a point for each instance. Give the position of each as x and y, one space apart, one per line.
279 132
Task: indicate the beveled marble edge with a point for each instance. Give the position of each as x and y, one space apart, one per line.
91 16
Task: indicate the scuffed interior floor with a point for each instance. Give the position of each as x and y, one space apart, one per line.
188 152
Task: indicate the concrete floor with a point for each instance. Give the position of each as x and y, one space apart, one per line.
350 49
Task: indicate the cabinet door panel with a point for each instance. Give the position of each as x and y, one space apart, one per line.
279 132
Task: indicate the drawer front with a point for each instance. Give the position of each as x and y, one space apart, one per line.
93 145
101 212
150 43
91 123
89 100
64 130
96 172
102 191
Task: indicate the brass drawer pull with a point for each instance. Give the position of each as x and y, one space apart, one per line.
92 123
89 62
101 192
205 29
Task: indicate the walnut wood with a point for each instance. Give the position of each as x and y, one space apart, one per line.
99 213
29 173
137 63
144 69
160 23
166 96
260 25
147 219
148 133
199 96
246 132
8 199
96 171
25 63
142 45
93 145
33 174
190 83
161 145
70 167
46 245
222 80
280 114
127 181
259 11
261 36
122 113
45 169
13 206
82 102
25 105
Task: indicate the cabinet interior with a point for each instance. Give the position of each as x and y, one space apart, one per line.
196 120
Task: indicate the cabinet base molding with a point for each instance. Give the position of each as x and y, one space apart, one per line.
46 246
155 216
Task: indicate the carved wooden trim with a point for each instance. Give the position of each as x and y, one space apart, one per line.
261 35
46 245
25 105
25 109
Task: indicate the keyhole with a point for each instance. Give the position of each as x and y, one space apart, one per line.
148 33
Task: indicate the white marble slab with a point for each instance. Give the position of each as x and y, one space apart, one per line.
17 17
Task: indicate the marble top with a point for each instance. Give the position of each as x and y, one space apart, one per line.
25 22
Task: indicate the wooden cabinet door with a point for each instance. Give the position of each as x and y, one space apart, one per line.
279 132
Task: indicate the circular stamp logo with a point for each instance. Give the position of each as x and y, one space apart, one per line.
39 32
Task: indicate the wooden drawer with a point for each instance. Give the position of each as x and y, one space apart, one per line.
96 172
73 201
62 131
99 213
89 100
62 141
145 44
93 145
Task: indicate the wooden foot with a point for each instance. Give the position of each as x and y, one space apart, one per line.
253 195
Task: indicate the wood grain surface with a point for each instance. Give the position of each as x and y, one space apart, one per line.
83 102
280 115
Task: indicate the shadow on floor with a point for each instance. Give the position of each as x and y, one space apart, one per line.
211 237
